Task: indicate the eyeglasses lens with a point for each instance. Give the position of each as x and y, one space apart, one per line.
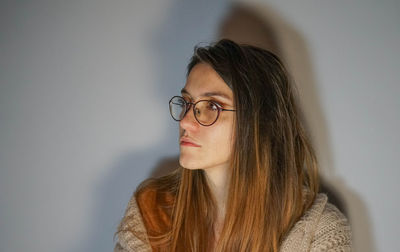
177 108
206 112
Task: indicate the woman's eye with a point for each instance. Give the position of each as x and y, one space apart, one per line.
212 106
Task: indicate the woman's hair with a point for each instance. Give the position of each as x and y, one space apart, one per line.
274 176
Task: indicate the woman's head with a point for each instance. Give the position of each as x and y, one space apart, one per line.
258 86
266 114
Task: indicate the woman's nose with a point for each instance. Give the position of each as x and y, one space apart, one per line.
189 122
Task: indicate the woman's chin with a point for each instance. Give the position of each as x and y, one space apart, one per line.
188 163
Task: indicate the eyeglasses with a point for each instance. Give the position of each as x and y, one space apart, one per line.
206 112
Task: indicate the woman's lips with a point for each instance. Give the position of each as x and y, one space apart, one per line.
187 142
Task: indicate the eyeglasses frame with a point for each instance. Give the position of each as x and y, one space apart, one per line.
193 105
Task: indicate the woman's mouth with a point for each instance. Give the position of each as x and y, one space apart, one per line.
187 142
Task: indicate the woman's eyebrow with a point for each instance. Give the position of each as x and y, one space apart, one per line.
208 94
184 91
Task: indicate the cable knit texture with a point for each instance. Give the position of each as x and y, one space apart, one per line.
322 228
127 241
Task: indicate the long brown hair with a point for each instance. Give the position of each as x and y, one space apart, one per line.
274 176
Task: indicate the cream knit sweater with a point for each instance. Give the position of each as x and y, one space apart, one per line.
322 228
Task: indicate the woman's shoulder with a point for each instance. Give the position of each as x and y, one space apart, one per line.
332 230
132 234
322 228
147 213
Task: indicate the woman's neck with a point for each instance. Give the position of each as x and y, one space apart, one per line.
218 180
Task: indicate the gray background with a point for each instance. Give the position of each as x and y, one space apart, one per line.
84 87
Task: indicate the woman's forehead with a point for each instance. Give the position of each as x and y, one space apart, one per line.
204 81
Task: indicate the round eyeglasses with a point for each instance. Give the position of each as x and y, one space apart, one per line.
206 112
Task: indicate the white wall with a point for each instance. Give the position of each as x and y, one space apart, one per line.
84 88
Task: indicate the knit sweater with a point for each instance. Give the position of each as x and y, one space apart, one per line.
322 228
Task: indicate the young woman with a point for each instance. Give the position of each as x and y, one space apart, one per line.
248 179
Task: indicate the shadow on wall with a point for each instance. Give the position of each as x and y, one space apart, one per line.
259 25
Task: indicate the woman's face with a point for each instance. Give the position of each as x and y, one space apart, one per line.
204 147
